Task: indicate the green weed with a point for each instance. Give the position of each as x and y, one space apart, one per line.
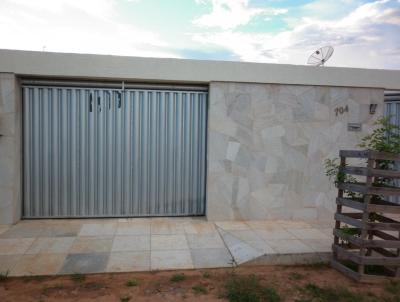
178 278
132 282
199 289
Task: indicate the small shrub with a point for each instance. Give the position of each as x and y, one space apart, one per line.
199 289
329 294
206 275
4 276
125 298
249 289
393 287
48 289
178 278
132 282
296 276
79 278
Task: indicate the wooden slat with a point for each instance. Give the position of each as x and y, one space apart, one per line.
364 260
383 226
384 252
364 171
357 241
393 209
351 203
384 155
343 218
383 235
345 270
362 188
354 153
369 154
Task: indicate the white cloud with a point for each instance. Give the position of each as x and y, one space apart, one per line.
229 14
85 26
366 37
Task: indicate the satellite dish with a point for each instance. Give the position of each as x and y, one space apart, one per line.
320 56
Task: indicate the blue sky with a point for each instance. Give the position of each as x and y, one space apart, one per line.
363 33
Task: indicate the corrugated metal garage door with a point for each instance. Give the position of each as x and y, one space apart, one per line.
91 152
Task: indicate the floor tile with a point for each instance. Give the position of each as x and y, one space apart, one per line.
131 243
23 230
318 245
201 228
133 228
3 228
308 234
161 227
84 263
292 246
129 261
98 244
232 225
42 264
294 224
262 246
275 234
12 246
51 245
7 262
327 231
263 224
240 250
205 241
171 259
97 229
58 230
246 235
168 242
209 258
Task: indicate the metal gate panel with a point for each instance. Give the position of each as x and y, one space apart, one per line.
91 152
392 111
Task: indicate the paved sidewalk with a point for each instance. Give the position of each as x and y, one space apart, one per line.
49 247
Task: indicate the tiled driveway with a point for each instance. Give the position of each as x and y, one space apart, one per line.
47 247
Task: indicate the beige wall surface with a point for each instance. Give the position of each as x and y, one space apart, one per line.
267 144
10 150
86 66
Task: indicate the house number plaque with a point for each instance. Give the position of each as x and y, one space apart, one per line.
340 110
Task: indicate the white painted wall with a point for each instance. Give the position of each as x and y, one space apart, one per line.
87 66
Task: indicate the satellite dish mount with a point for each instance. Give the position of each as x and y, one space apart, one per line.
320 56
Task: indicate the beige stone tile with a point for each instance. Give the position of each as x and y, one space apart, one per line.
133 228
91 245
60 230
165 227
128 261
171 259
291 246
12 246
205 241
131 243
3 228
263 224
262 246
58 245
200 228
169 242
97 229
319 245
308 234
328 232
246 235
42 264
294 224
275 234
232 225
211 258
7 262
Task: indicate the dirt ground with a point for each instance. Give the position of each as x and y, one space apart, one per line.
195 285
